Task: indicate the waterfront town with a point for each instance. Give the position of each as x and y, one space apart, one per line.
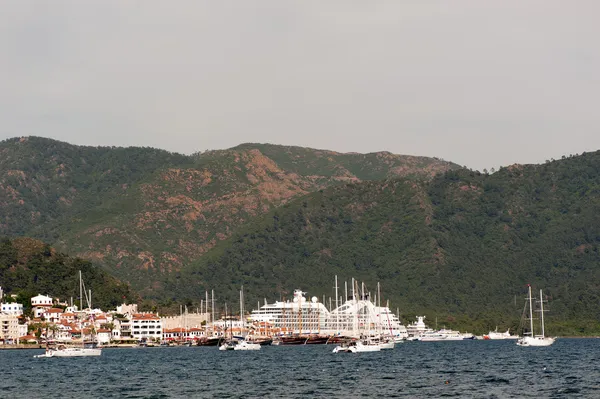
53 320
50 320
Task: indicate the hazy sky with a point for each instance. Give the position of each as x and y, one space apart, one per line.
480 83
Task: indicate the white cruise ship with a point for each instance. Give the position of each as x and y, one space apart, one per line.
353 318
297 316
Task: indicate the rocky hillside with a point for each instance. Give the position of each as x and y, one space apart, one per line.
143 213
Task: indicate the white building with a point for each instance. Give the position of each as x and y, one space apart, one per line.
53 315
9 328
15 309
22 330
40 304
146 326
186 320
127 309
41 300
103 336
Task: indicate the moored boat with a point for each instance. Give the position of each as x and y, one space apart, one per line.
529 338
357 346
493 335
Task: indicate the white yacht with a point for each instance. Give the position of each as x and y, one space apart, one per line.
356 347
63 351
418 329
82 351
445 335
493 335
529 338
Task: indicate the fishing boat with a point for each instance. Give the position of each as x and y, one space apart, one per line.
529 338
84 350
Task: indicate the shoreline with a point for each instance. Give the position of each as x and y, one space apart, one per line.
42 346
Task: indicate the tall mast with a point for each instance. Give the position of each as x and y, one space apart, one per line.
242 310
542 311
379 305
530 311
206 309
80 292
213 306
355 315
337 313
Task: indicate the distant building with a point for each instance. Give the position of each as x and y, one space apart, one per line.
127 309
15 309
146 326
53 315
186 320
41 300
40 304
103 336
9 328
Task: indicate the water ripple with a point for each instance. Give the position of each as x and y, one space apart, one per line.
488 369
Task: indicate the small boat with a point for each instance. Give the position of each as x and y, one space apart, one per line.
228 345
80 351
246 346
210 341
493 335
239 345
356 347
63 351
529 338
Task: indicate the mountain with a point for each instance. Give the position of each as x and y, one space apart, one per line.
29 267
144 213
460 248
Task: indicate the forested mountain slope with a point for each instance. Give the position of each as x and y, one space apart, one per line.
29 267
461 247
143 213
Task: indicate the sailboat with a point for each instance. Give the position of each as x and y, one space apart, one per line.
83 351
364 344
244 345
529 338
239 344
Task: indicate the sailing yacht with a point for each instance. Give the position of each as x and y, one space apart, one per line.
239 344
529 338
83 351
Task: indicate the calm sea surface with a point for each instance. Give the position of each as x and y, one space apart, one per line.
482 369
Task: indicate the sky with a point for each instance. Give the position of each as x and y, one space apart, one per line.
480 83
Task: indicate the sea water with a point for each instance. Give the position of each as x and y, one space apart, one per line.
482 369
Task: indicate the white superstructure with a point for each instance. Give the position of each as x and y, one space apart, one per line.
357 316
299 315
